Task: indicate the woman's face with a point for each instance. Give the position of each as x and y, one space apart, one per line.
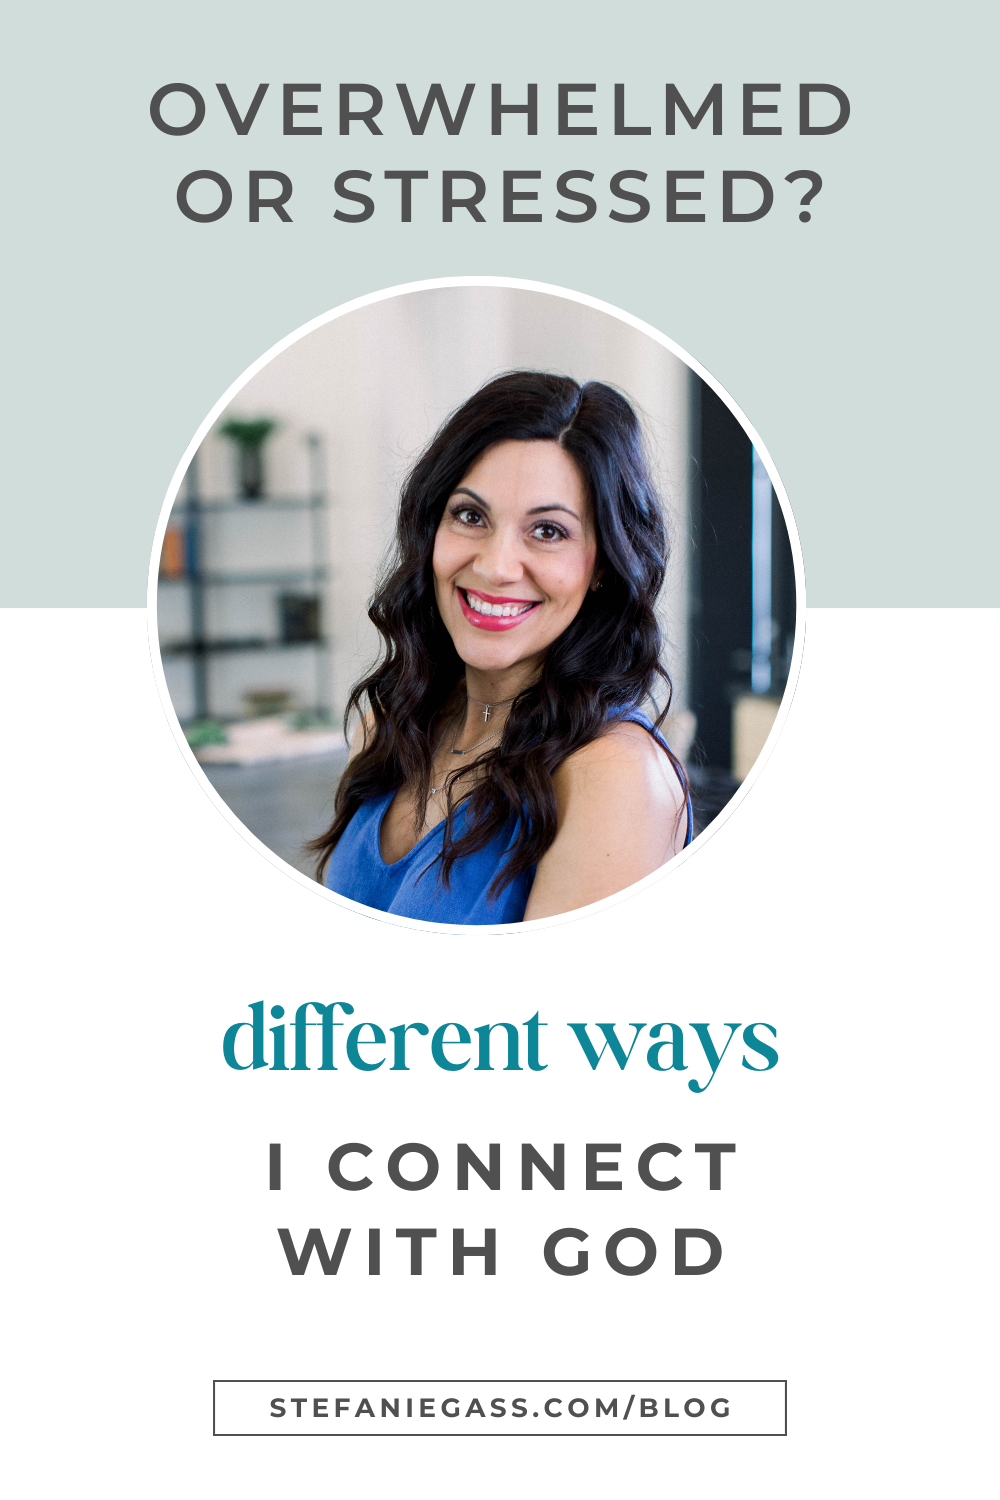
514 554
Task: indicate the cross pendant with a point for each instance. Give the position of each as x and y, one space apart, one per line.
486 713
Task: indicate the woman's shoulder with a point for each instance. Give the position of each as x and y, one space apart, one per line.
621 814
624 766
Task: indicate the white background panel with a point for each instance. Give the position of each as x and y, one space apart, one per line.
847 902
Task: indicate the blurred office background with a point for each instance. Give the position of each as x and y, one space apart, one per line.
287 511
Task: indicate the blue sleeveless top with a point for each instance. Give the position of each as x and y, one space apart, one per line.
411 887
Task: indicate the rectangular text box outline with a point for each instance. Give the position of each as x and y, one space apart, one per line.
499 1380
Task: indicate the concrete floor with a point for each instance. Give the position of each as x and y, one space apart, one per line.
283 802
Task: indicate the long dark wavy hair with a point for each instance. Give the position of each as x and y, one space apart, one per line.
608 658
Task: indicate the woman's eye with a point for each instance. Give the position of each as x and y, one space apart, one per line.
466 515
547 532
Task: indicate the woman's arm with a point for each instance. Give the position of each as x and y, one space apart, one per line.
621 815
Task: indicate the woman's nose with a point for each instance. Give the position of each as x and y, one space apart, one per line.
499 559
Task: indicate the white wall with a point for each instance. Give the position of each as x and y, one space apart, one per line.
377 383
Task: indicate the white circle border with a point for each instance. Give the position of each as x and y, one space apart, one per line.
666 872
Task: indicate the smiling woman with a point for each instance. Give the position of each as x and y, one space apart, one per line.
503 768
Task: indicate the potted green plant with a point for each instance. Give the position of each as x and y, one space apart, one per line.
249 438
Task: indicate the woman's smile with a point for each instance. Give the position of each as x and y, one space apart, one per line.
488 612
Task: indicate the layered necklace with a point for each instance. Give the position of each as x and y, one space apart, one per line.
489 707
487 710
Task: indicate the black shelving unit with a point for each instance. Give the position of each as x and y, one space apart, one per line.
191 515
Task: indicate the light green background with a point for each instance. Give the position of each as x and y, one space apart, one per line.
860 345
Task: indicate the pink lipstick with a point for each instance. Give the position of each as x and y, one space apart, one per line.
486 611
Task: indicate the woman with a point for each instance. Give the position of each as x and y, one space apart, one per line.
502 769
